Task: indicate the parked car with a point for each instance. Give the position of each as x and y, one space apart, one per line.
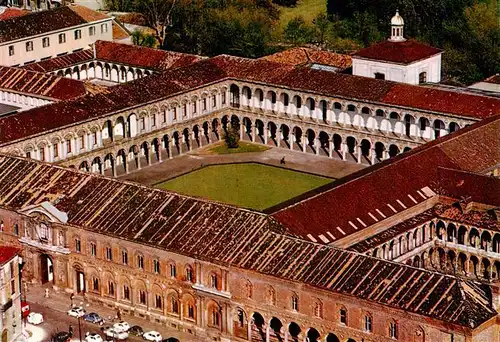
93 337
25 309
93 317
121 326
171 339
77 311
117 335
136 330
35 318
152 336
62 336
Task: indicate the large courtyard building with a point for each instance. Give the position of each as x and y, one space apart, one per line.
10 293
407 248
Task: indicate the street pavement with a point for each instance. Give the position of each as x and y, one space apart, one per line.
56 319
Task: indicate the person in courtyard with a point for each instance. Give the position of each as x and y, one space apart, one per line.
282 161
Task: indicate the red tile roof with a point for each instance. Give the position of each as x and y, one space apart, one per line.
36 83
495 79
61 62
306 56
87 14
383 190
119 32
406 52
142 56
7 253
11 12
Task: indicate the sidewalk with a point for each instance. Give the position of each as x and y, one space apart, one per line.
60 301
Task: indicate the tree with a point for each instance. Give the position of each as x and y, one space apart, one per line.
143 39
231 137
298 32
158 15
323 26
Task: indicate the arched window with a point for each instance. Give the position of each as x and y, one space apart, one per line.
271 296
2 226
95 284
248 289
173 270
214 281
174 305
190 310
126 292
158 303
140 261
215 317
78 245
189 274
343 316
393 330
156 266
16 229
295 302
318 309
422 77
111 288
142 297
124 257
368 323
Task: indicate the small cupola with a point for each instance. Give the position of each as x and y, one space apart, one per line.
397 24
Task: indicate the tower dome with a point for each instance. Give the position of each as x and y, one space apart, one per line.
397 24
397 20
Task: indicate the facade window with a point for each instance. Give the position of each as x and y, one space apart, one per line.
249 289
44 232
109 253
379 76
126 292
2 225
93 249
78 34
174 113
111 288
184 110
11 50
62 38
175 305
422 77
42 153
95 284
215 317
82 142
94 138
189 274
295 303
28 154
140 262
158 302
205 103
223 97
318 309
29 46
56 150
156 266
12 279
153 120
104 28
164 116
16 227
78 245
368 323
271 296
393 330
91 30
214 101
343 316
142 297
173 270
191 311
214 281
125 257
143 123
68 146
194 107
123 74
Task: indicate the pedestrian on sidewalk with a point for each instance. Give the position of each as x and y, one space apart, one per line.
119 314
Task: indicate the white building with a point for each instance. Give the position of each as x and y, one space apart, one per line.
10 294
28 38
398 59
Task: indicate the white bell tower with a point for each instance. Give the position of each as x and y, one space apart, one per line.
397 24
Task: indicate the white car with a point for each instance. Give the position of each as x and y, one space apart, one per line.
119 335
35 318
77 311
93 337
121 326
152 336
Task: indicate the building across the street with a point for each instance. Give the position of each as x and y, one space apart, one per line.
10 292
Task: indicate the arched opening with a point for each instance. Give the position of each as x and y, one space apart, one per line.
440 229
313 335
47 269
365 149
425 129
324 110
240 324
271 100
332 338
495 246
439 129
297 102
276 328
453 127
310 141
297 133
259 130
234 100
294 331
393 151
485 240
462 232
409 125
273 132
257 326
451 232
485 268
379 150
79 279
324 142
285 136
474 237
247 96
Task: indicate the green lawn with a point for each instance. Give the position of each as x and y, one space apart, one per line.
247 185
308 9
243 147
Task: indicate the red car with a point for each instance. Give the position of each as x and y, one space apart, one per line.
25 309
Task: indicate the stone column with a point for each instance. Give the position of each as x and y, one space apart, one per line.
330 148
159 152
385 155
169 148
266 134
343 148
278 137
113 166
359 154
242 127
317 144
373 155
253 127
304 144
125 163
291 138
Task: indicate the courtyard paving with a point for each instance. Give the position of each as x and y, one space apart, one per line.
295 160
